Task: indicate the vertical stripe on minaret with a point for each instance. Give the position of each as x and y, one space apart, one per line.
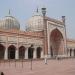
65 49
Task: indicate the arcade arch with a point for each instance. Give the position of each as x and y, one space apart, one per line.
38 52
2 50
11 52
21 52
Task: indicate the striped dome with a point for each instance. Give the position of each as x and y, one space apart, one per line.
9 22
35 23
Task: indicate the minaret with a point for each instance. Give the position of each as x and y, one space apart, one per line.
45 34
63 19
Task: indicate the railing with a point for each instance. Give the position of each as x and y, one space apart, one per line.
18 63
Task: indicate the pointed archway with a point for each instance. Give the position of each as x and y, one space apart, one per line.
11 52
39 50
56 43
2 50
22 52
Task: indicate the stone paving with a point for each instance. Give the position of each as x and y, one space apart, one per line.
54 67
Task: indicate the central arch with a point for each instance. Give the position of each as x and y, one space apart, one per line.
56 43
2 50
11 52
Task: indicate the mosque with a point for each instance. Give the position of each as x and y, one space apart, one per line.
43 37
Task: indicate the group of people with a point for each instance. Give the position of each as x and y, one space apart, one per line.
1 73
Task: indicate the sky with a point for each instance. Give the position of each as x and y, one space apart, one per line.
24 9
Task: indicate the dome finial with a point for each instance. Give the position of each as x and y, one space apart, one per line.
9 12
37 10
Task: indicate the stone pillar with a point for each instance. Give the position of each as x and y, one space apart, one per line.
68 52
42 54
49 49
6 54
26 53
6 50
34 54
17 54
72 52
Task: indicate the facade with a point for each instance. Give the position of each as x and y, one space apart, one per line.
44 37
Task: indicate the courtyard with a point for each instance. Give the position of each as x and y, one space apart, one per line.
53 67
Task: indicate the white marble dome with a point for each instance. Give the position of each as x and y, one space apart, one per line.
9 22
35 23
